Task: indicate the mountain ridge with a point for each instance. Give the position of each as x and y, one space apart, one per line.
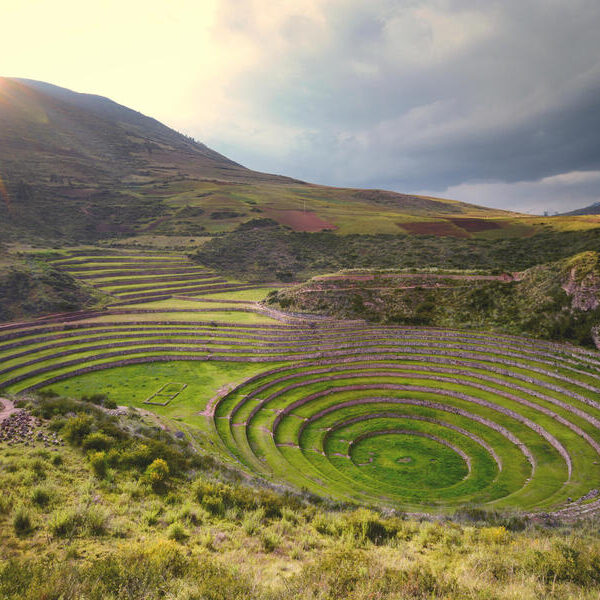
591 209
80 167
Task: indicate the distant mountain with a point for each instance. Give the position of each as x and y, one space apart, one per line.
79 167
592 209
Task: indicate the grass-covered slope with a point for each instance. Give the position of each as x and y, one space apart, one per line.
30 288
78 167
263 250
287 445
559 300
122 507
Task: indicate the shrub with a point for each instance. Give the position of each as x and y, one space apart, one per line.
97 441
77 428
97 399
110 403
253 521
213 504
269 540
100 400
190 515
56 423
364 525
72 522
51 407
94 521
177 532
207 540
38 467
149 571
327 524
136 456
22 522
99 464
157 473
64 523
290 516
134 489
41 496
218 497
152 516
568 561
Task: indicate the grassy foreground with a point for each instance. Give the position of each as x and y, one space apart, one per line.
125 510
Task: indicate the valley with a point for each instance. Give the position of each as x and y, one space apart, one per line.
221 384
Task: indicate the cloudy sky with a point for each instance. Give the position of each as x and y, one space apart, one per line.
495 102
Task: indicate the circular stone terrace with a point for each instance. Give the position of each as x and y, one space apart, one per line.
421 419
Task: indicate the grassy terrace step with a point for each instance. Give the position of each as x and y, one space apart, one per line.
130 278
158 284
150 279
562 375
406 338
112 271
131 259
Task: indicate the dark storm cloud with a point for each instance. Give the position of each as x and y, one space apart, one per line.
419 94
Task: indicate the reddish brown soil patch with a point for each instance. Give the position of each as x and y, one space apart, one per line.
473 225
299 220
440 228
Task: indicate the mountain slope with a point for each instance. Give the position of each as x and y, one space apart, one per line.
79 167
86 137
565 294
592 209
72 164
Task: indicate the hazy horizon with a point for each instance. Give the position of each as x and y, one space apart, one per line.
495 105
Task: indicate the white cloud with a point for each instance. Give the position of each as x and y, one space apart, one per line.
572 178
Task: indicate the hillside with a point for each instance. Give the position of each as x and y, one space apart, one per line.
79 167
93 510
160 453
565 294
321 393
30 288
592 209
261 250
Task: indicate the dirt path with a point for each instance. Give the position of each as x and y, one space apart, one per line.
506 277
211 405
7 408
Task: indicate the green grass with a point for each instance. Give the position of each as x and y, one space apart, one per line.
253 295
218 316
309 469
131 385
68 531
